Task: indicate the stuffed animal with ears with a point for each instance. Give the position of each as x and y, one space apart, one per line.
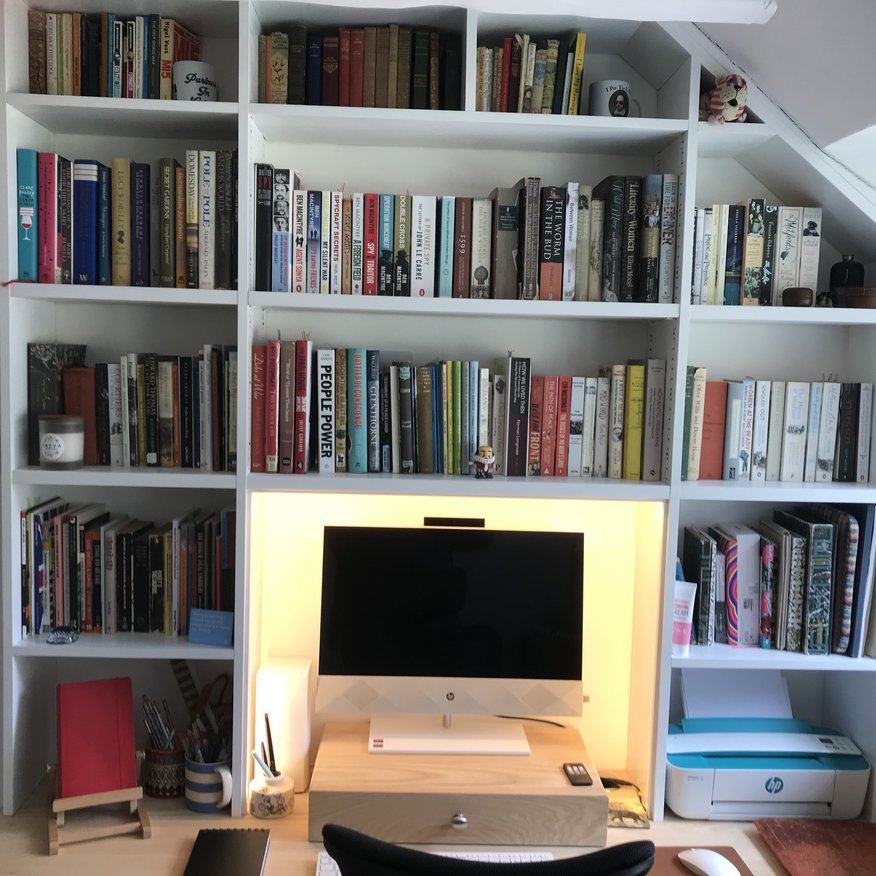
725 102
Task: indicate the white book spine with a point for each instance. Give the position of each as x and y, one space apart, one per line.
719 252
356 261
335 243
500 401
707 284
325 245
576 422
597 217
813 421
616 421
299 240
794 436
481 247
206 225
590 429
325 410
827 425
668 223
652 439
732 431
760 430
600 426
865 421
696 291
810 247
776 429
570 242
114 392
787 251
423 237
484 406
746 435
123 393
582 247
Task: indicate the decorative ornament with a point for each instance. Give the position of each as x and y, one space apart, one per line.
725 102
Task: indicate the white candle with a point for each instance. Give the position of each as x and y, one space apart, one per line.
62 441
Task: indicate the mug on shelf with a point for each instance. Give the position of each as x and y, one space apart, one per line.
194 80
208 786
612 97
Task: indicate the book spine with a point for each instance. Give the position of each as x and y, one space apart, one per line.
810 247
480 285
826 431
597 219
340 409
85 222
752 272
570 241
385 418
536 407
257 407
693 456
595 406
612 192
561 458
582 247
847 434
528 266
696 287
314 240
357 429
447 214
652 431
549 410
550 268
813 420
769 263
423 243
336 232
102 414
207 226
298 242
600 425
325 244
386 245
372 395
357 253
617 403
760 431
576 428
733 260
787 250
794 437
776 428
28 220
865 419
47 217
325 410
649 237
402 245
634 409
370 231
287 407
425 404
629 278
140 224
193 208
303 388
518 416
407 440
346 245
272 407
281 259
668 230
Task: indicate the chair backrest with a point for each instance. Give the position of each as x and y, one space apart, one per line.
360 855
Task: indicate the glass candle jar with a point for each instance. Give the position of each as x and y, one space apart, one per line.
62 441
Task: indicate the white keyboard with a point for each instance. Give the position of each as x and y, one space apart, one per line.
327 866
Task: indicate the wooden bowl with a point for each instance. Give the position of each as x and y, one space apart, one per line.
798 296
856 296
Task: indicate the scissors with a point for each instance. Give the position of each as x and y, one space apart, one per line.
215 698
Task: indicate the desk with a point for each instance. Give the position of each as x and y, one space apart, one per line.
23 842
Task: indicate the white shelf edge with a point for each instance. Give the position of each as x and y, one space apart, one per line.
745 491
74 294
130 646
818 316
727 657
103 476
22 100
450 485
463 307
718 141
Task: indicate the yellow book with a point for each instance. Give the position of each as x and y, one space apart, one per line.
711 294
577 73
121 221
634 407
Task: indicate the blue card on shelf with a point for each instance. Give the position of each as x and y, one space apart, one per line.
208 627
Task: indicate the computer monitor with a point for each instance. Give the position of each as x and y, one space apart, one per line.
447 622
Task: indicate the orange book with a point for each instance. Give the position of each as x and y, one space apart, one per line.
549 404
714 412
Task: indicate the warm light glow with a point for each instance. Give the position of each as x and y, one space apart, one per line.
287 571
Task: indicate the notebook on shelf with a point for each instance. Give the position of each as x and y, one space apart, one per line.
229 851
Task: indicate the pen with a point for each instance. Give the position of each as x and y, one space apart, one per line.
271 761
258 759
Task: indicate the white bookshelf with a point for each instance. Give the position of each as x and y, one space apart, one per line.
631 528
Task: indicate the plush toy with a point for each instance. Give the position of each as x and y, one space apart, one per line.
725 102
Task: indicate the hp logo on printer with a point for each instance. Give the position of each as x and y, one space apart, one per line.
774 785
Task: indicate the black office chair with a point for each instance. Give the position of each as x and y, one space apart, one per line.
359 855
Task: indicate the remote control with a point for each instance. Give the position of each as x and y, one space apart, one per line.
577 774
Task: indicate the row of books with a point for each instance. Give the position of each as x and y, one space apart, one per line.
776 430
131 224
801 581
525 75
749 253
611 242
104 55
388 66
363 410
145 409
96 570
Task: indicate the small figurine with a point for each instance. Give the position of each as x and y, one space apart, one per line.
484 462
726 101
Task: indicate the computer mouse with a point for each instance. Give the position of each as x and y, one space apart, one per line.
705 862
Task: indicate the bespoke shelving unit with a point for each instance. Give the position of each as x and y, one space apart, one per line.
631 528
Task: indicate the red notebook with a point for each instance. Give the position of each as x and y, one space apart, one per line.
95 737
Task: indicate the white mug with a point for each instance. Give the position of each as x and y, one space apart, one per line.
194 80
611 97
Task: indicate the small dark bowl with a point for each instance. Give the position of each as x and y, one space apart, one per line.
798 296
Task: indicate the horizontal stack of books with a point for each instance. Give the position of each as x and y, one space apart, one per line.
104 55
392 66
749 253
132 223
776 430
801 581
99 571
360 410
611 242
523 75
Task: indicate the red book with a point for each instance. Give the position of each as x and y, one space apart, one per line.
95 737
344 66
550 244
303 359
257 406
287 405
369 249
712 448
357 66
462 248
48 239
504 88
536 402
272 407
79 399
564 395
549 424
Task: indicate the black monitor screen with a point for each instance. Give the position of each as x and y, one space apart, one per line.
473 603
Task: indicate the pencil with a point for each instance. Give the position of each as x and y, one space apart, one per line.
271 761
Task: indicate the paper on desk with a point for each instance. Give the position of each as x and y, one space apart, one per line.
735 693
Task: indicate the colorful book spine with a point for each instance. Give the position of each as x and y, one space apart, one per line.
314 240
370 232
325 244
372 402
462 249
423 209
357 427
480 285
357 252
340 409
668 231
767 588
303 389
335 242
649 237
447 215
752 272
299 241
272 407
28 222
402 260
634 409
386 245
550 258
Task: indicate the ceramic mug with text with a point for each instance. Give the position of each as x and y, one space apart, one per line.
194 80
612 97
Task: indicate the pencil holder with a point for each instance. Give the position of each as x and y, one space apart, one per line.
164 773
271 796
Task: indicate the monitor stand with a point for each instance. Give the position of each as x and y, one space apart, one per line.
436 734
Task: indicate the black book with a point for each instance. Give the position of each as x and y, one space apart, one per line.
153 439
313 79
101 413
451 69
124 569
630 238
560 81
186 427
140 224
229 851
372 395
90 55
141 586
847 434
407 438
156 578
297 64
153 56
518 416
770 233
263 226
611 192
420 76
234 215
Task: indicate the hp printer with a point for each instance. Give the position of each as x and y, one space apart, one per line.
745 768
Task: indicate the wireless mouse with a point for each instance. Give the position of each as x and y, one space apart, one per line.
705 862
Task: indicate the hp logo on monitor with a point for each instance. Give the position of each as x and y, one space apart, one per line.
450 696
774 785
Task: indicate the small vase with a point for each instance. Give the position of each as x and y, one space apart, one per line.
845 274
271 797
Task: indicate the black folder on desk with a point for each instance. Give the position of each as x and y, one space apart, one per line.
229 852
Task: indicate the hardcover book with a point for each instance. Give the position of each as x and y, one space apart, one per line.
549 410
611 192
570 242
28 228
787 251
634 405
480 285
536 404
741 548
576 426
694 413
629 278
714 413
753 254
699 559
550 259
402 243
735 250
505 235
649 236
462 250
668 223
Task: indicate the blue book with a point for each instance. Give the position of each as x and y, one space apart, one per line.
385 244
85 222
735 247
281 261
446 216
474 396
104 231
357 423
26 160
313 77
314 239
140 266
